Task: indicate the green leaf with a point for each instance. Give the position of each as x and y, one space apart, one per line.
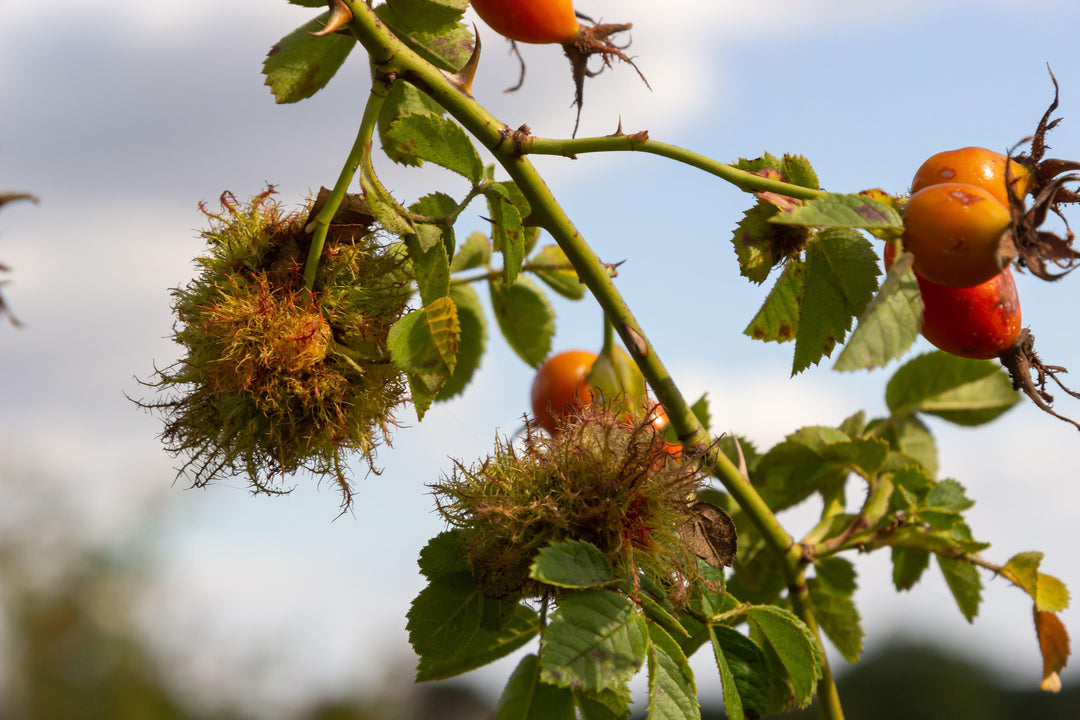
744 675
605 705
962 391
911 440
432 269
435 205
841 277
701 412
661 616
552 266
571 564
595 640
964 582
430 16
474 252
672 693
795 169
908 566
486 645
525 697
445 615
948 496
471 343
403 99
436 139
449 48
890 323
778 318
443 555
793 645
837 573
846 211
507 232
759 244
838 617
814 459
944 542
301 64
424 344
525 317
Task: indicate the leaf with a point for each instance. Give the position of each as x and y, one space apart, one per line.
710 534
841 277
525 318
948 496
525 697
890 323
552 266
964 583
909 563
837 210
1054 646
471 342
661 616
838 617
445 615
449 48
793 644
778 318
443 555
604 705
487 645
837 573
595 640
571 564
424 345
1049 593
813 459
403 99
909 437
507 232
760 245
474 252
436 139
301 64
962 391
430 16
743 670
431 267
672 693
701 412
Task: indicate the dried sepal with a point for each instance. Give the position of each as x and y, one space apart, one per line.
1029 375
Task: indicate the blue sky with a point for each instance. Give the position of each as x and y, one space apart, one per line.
125 115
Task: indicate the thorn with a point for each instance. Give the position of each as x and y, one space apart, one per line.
463 78
340 15
743 470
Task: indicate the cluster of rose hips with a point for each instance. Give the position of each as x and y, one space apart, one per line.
957 225
966 222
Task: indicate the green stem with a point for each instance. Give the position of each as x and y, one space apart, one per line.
320 226
395 58
640 142
828 698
